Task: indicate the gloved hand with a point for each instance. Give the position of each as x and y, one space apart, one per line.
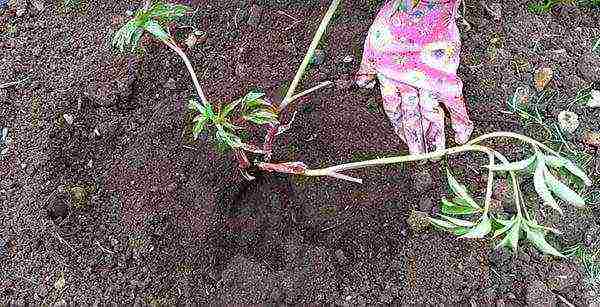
413 50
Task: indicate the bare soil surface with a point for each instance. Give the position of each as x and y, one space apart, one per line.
121 205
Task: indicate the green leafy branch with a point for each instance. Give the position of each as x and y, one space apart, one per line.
153 18
252 108
545 6
541 165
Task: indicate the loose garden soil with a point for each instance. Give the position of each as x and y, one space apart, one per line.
121 205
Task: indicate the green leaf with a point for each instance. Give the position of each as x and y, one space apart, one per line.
157 30
460 190
258 103
447 226
167 11
454 209
458 222
536 236
125 35
229 139
540 185
506 225
441 223
255 99
252 96
208 112
199 127
461 202
511 240
459 231
563 191
200 117
262 117
231 126
135 38
558 162
194 105
229 107
534 224
514 166
481 229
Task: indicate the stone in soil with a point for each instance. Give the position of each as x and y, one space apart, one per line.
38 5
57 209
563 275
318 58
341 257
591 238
345 82
3 248
422 180
426 204
171 84
538 295
255 15
418 221
589 67
19 6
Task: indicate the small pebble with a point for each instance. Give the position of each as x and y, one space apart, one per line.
594 101
341 257
348 59
318 58
68 118
171 84
172 187
255 15
569 121
38 5
191 40
344 83
3 248
20 12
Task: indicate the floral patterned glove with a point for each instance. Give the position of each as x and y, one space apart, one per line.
413 50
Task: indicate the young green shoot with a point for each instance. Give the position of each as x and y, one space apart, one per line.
230 119
153 18
541 165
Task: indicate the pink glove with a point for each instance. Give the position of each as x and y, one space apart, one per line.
413 49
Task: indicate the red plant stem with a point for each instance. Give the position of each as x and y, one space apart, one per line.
269 140
242 159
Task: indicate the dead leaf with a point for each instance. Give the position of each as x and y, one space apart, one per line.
68 118
592 138
519 99
542 77
594 102
191 40
59 284
569 121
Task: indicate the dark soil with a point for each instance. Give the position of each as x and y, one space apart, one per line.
123 207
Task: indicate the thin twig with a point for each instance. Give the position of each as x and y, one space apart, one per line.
296 21
308 91
9 84
564 300
190 147
63 241
104 248
311 50
190 68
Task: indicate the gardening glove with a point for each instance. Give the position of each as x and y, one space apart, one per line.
413 50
